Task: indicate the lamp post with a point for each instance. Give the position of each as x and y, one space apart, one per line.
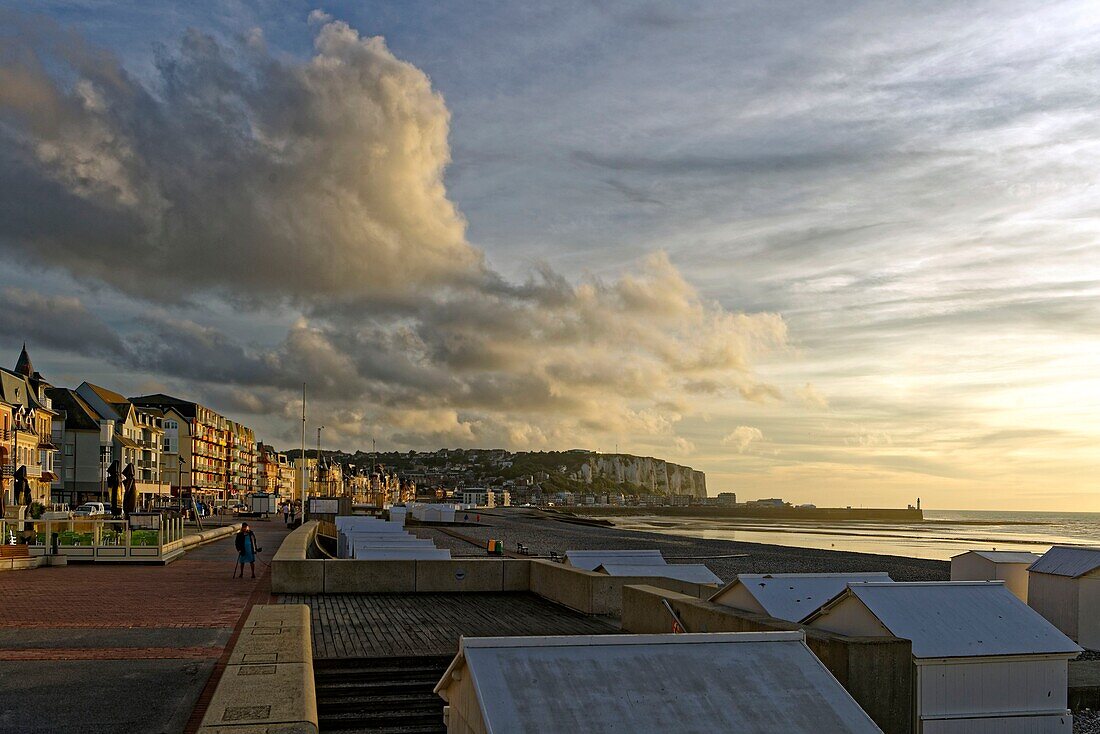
319 429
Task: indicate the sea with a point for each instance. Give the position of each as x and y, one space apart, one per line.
944 533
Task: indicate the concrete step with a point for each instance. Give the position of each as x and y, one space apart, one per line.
401 663
356 701
410 684
378 673
414 729
371 720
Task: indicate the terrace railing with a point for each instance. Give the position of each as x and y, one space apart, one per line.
151 537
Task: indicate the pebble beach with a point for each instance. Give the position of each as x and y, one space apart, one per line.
543 533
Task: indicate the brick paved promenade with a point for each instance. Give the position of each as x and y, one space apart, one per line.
101 649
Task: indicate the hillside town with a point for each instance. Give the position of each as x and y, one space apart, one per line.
57 445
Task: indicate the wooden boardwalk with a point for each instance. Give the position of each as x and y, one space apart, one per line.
397 625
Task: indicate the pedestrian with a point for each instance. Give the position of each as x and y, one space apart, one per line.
286 514
245 542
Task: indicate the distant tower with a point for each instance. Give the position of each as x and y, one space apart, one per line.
23 366
918 503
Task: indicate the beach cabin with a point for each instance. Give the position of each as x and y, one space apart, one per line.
1064 587
788 596
747 682
696 573
984 661
995 565
590 560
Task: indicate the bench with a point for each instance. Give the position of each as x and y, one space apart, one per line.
14 551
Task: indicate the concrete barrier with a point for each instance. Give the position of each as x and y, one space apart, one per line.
876 671
293 571
268 684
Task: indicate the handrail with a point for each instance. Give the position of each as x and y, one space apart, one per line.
677 623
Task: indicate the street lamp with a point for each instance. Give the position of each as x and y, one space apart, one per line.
319 429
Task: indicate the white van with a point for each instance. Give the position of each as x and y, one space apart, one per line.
90 509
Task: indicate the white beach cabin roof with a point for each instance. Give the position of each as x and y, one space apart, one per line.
789 596
696 573
945 619
402 554
1064 560
748 682
997 556
590 560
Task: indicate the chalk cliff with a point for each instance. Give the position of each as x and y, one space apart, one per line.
655 475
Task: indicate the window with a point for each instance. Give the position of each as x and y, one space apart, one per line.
68 449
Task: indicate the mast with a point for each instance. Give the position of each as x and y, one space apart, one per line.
305 475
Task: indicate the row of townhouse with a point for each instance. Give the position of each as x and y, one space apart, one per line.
214 457
176 447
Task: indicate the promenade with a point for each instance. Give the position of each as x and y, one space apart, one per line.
106 648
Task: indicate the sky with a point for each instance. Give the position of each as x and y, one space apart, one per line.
840 253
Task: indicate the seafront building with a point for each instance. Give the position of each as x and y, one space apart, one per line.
31 449
7 467
205 454
97 426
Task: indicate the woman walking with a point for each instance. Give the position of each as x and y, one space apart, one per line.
245 541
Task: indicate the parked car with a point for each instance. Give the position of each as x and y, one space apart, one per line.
90 509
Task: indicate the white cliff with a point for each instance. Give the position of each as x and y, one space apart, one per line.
655 475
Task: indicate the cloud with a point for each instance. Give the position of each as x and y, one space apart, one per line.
741 437
59 322
243 173
813 398
238 175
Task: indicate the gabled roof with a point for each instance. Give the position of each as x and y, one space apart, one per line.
748 682
793 596
1065 560
589 560
186 408
997 556
952 619
696 573
79 416
15 389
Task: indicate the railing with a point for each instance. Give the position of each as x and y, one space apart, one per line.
94 539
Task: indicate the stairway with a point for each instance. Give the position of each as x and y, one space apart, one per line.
380 695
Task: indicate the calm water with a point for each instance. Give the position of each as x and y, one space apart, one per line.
944 533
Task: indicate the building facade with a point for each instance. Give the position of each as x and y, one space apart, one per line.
204 455
31 445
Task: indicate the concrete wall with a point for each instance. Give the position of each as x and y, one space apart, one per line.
877 671
1055 598
597 593
296 570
